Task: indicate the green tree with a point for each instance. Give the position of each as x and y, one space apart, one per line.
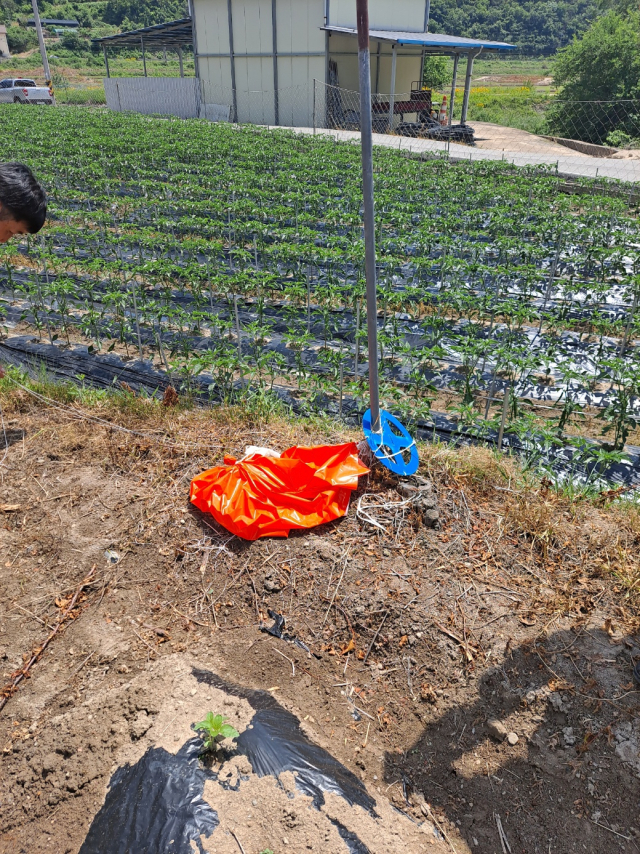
144 14
20 39
599 74
436 72
74 42
537 27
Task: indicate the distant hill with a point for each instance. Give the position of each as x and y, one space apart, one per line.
537 27
98 13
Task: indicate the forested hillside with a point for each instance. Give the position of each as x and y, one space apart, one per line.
97 13
537 27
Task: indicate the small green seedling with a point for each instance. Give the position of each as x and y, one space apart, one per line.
215 729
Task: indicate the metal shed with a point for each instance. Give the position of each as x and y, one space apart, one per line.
289 62
397 60
174 35
268 60
177 96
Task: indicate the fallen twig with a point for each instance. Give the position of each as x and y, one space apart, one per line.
238 841
465 646
504 842
386 614
10 689
335 592
426 809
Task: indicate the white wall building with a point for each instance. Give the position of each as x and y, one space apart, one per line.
292 63
269 61
4 46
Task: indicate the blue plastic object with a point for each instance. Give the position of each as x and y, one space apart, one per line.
392 445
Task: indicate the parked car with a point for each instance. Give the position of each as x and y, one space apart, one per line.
21 90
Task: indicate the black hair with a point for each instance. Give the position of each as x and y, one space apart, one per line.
22 196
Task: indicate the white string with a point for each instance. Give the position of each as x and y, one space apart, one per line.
393 456
389 505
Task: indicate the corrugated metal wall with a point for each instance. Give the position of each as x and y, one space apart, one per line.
406 15
343 50
297 26
300 49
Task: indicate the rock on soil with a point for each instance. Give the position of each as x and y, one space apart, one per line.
497 730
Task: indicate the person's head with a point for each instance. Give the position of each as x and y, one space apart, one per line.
23 201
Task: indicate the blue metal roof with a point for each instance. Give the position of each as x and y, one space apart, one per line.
433 41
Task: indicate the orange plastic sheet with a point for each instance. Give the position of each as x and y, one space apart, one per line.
269 496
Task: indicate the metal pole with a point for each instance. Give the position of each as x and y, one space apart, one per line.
106 59
43 50
503 417
274 38
232 59
467 87
314 106
377 84
394 57
196 58
427 14
364 63
144 57
453 87
180 60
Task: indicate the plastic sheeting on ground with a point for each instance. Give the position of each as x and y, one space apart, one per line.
157 805
265 496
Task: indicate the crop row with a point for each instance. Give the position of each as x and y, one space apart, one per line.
239 252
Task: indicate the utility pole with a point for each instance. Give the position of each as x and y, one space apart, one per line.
43 50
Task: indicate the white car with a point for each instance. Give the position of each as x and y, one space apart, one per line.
21 90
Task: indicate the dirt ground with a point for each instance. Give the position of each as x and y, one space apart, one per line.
478 674
488 135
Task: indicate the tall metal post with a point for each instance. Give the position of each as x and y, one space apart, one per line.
232 59
274 37
196 60
467 87
144 57
427 14
106 58
43 50
315 121
453 87
364 65
392 93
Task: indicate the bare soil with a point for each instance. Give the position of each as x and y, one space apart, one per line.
489 135
475 676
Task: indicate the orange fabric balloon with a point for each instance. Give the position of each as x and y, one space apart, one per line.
268 496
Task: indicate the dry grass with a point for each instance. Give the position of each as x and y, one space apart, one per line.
583 535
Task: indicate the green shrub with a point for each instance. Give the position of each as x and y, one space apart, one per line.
74 42
600 78
81 96
21 39
436 72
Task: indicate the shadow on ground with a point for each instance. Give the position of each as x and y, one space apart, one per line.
570 783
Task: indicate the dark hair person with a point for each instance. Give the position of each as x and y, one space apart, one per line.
23 201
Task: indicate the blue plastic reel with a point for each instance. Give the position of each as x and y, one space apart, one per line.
391 446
